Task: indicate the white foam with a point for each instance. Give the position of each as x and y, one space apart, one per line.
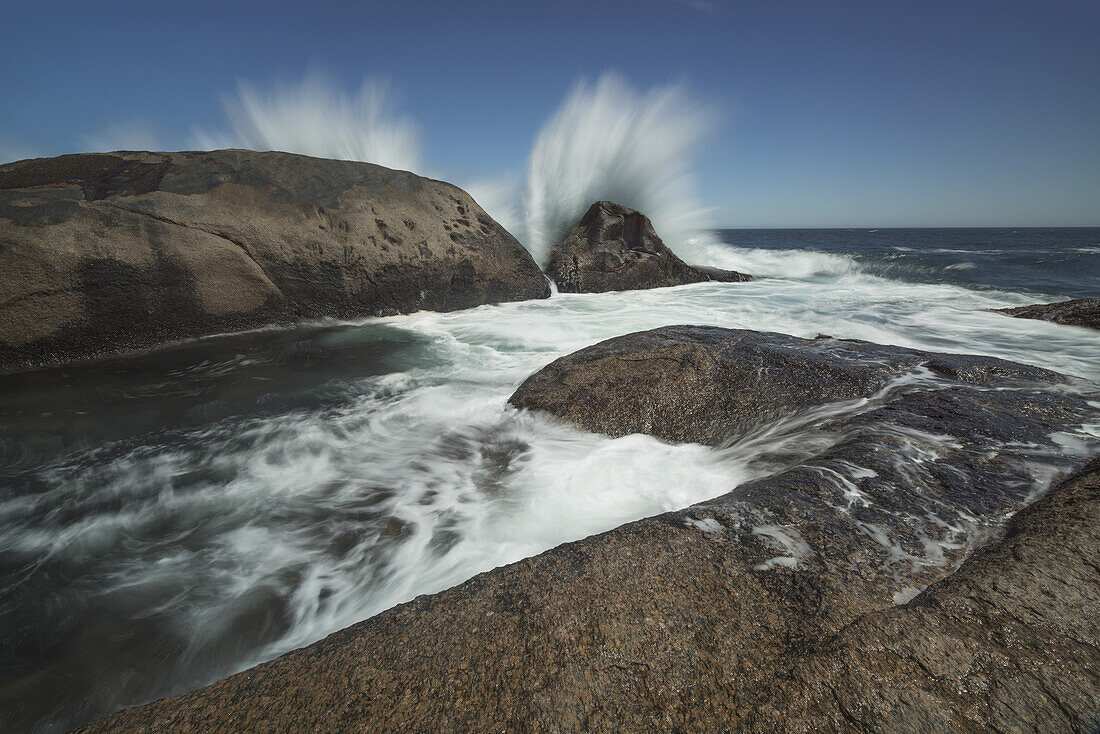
905 595
707 525
769 263
790 540
852 494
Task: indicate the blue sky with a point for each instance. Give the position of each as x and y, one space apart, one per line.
915 113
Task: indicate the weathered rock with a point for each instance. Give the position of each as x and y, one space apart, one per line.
1009 642
1078 312
705 384
780 606
103 253
614 248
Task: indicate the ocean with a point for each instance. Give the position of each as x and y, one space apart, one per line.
1049 263
172 517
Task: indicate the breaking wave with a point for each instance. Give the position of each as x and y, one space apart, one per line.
608 141
767 263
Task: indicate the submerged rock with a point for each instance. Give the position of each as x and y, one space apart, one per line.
103 253
1078 312
614 248
839 590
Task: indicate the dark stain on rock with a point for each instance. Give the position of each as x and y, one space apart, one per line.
47 207
99 175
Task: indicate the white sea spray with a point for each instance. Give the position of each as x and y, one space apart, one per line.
315 117
608 141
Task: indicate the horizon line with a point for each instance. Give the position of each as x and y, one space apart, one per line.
895 227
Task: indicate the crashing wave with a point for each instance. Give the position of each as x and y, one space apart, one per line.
610 142
315 118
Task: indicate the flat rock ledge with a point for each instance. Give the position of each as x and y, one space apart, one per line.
889 575
1077 312
614 248
107 253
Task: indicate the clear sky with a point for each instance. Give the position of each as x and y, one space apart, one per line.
874 113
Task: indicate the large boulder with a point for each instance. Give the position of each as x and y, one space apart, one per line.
840 590
1077 312
704 384
614 248
104 253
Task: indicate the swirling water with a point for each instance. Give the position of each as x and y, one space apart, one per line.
172 517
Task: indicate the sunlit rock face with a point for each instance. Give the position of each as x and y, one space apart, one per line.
104 253
614 248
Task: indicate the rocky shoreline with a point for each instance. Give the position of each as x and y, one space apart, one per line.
894 575
893 581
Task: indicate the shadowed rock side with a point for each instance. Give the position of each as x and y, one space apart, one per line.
615 248
1078 312
104 253
785 605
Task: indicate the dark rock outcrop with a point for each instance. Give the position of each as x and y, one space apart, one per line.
614 248
1078 312
789 604
705 384
104 253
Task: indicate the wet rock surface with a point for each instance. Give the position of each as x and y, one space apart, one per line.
614 248
1078 312
105 253
840 590
706 384
1008 642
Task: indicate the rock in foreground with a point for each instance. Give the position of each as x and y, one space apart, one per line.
1078 312
705 384
785 605
615 248
103 253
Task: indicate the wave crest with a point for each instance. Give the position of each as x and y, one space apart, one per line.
793 264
